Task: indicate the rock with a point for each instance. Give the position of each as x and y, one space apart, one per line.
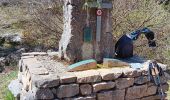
67 77
44 94
12 38
39 71
109 74
15 87
103 86
85 89
83 65
130 72
35 54
122 83
20 77
165 87
154 97
89 76
105 95
70 90
136 92
119 94
167 75
44 81
90 97
2 63
54 91
30 95
108 63
141 80
52 53
117 72
163 66
151 90
29 63
163 79
86 98
26 57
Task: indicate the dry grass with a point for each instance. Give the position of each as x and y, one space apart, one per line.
5 79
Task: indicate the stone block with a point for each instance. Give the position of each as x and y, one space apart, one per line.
85 89
70 90
83 65
35 54
165 87
136 92
89 76
26 63
44 81
119 94
122 83
26 77
153 97
67 77
141 80
39 71
103 86
26 57
130 72
163 79
110 74
54 91
105 95
108 63
106 74
151 90
44 94
90 97
20 65
117 72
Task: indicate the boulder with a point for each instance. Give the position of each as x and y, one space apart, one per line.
15 87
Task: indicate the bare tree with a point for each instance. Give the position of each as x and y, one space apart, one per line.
47 21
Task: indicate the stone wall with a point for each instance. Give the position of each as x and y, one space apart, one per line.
42 82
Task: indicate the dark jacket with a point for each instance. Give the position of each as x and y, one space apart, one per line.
124 47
